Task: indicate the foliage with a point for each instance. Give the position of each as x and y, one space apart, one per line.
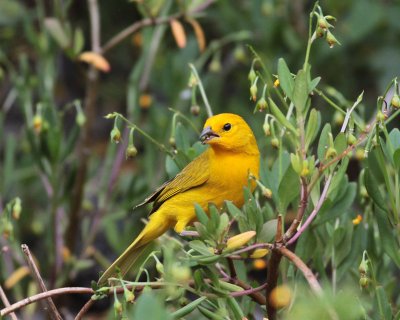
318 239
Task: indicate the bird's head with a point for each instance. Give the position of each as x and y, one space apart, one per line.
229 132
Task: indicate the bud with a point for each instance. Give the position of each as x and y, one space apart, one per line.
351 139
338 118
80 119
320 32
129 295
363 267
266 192
280 296
276 83
259 264
259 253
181 274
110 116
160 267
330 153
239 54
275 143
8 228
215 65
360 154
239 240
253 92
145 101
267 128
322 23
363 192
192 81
117 308
395 102
330 38
16 210
37 123
130 152
305 171
364 281
380 116
261 104
172 142
115 135
252 75
195 110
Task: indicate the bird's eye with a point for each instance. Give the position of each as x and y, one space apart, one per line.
227 126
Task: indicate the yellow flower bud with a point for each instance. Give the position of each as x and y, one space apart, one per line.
37 123
395 102
259 264
253 92
351 139
115 135
331 153
280 296
275 142
364 281
276 83
16 210
239 240
129 296
267 193
131 152
357 220
252 75
259 253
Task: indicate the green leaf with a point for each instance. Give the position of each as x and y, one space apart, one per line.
394 137
337 179
200 247
149 307
373 190
233 210
281 117
396 159
313 83
313 124
285 78
385 310
201 215
56 30
268 231
300 92
323 143
289 189
178 314
340 142
389 241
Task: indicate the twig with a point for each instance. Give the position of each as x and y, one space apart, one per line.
250 291
53 312
252 247
44 295
232 269
84 309
6 303
313 213
308 274
272 280
300 212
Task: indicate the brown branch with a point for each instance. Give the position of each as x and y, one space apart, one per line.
44 295
300 212
53 312
4 298
251 292
232 269
308 274
84 309
272 280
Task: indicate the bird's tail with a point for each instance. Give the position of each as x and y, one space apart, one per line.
139 249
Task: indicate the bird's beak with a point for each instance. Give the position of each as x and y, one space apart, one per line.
207 134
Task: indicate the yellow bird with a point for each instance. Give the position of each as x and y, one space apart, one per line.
218 174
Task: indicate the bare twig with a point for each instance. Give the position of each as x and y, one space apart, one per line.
272 280
248 292
53 312
44 295
308 274
300 212
232 269
6 303
84 309
313 213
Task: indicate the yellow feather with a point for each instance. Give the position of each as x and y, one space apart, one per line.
219 174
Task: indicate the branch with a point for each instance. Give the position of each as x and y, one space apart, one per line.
53 312
84 309
300 212
308 274
6 303
44 295
313 213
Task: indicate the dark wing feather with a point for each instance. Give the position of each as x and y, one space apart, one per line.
193 175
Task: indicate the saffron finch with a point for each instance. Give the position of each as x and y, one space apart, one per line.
218 174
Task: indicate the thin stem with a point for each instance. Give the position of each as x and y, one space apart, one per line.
6 303
313 213
53 312
84 309
202 91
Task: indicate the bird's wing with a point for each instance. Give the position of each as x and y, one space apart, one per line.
193 175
